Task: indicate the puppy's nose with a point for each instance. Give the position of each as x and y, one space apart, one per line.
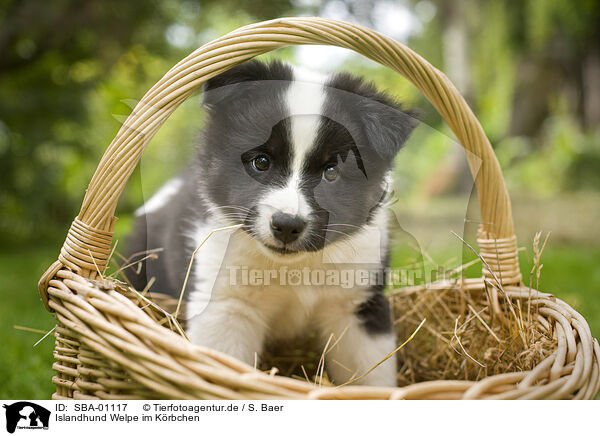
285 227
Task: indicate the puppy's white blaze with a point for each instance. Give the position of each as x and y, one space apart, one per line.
161 197
304 99
288 199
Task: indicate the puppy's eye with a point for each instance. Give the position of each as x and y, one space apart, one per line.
261 163
330 173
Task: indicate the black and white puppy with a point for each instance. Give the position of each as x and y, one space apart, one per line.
301 162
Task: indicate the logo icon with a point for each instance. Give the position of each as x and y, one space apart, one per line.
26 415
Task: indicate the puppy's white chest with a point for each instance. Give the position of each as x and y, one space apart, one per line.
287 297
230 269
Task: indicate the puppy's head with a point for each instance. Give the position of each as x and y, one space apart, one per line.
299 159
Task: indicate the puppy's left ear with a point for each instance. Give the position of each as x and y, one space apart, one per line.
385 123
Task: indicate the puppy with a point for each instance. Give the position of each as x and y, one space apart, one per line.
301 164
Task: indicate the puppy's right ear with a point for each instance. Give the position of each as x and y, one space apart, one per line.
228 85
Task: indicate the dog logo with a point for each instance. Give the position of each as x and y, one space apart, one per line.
26 415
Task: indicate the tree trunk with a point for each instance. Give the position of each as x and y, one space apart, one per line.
591 88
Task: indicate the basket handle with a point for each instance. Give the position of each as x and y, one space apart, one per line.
88 242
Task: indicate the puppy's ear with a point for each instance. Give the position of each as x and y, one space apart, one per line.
237 81
385 123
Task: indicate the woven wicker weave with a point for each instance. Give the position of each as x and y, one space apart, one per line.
111 344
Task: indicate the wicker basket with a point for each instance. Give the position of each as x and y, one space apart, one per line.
111 343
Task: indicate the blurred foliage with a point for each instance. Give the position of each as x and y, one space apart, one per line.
70 72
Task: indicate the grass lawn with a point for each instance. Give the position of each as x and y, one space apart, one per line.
26 370
571 273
